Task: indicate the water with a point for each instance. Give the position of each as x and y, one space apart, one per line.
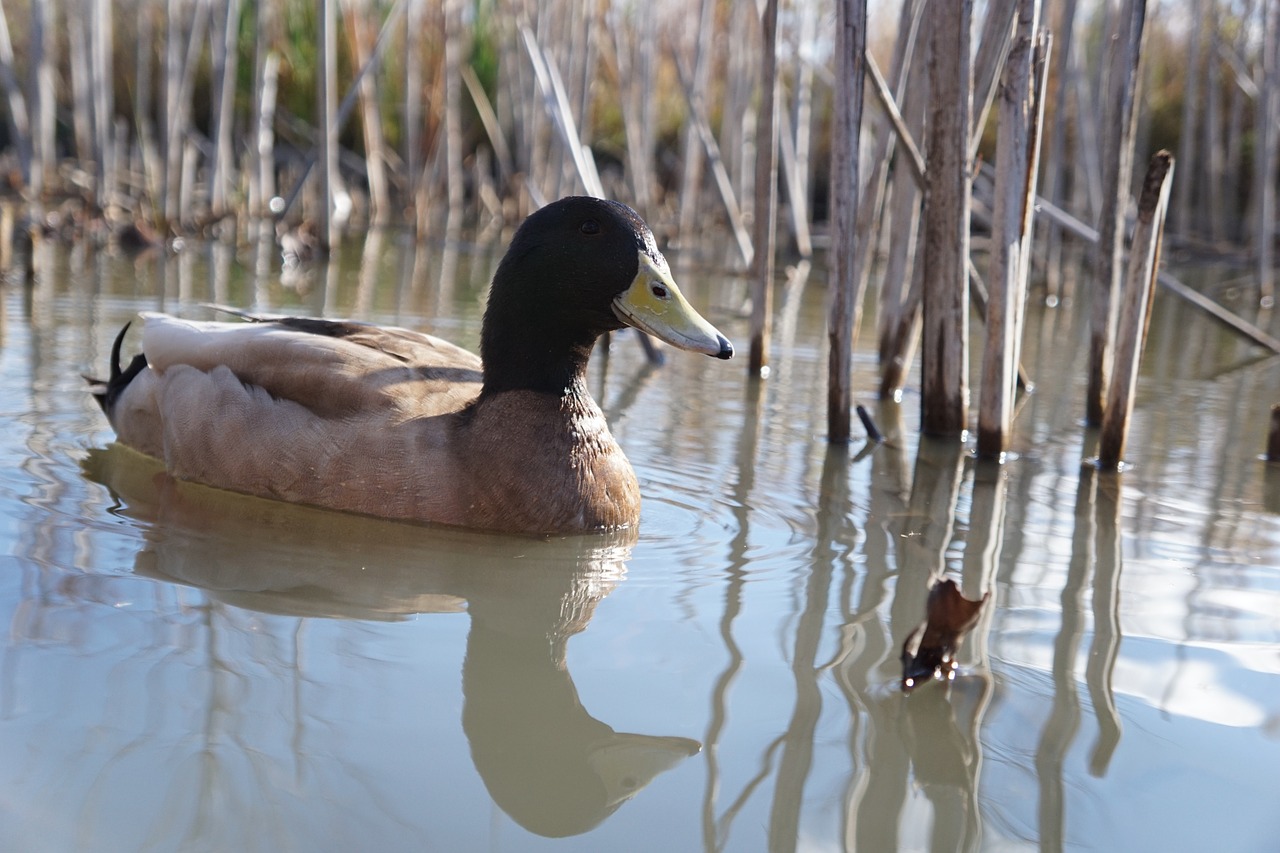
183 669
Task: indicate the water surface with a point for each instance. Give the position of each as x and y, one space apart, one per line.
186 669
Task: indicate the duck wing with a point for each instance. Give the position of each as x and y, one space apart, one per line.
333 368
344 415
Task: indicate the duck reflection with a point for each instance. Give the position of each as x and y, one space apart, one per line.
545 761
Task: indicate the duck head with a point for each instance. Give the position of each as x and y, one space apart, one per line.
576 269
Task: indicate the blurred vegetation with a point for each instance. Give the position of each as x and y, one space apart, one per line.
610 35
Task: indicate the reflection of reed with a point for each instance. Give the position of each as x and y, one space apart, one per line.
1064 719
713 833
864 645
834 539
368 278
1106 626
935 489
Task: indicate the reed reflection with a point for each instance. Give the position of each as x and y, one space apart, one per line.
546 762
1064 718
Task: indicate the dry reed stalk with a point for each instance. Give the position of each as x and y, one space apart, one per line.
901 134
945 303
225 62
551 25
724 184
1268 155
180 72
888 95
1214 181
1120 121
556 102
327 111
1273 436
1055 159
844 305
42 104
1017 166
738 116
692 146
489 120
334 118
1087 186
1131 331
1243 94
796 185
187 177
143 159
375 148
901 333
102 80
81 93
899 301
412 128
765 210
802 125
630 54
19 124
993 47
454 60
534 131
1185 212
266 74
583 62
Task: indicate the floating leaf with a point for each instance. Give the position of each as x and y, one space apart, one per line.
929 651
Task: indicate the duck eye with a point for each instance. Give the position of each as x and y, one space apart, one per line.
589 226
659 291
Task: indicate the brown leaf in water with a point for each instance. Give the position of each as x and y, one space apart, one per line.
929 651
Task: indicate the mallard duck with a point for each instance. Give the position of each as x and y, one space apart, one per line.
399 424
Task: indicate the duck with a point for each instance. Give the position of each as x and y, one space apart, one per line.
396 423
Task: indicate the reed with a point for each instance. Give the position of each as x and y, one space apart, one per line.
1131 331
1017 165
1120 123
764 211
945 303
845 297
184 53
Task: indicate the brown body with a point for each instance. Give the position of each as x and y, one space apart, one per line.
378 421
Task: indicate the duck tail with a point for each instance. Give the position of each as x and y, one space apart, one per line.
107 391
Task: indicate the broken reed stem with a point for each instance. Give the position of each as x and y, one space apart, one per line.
1131 329
1120 127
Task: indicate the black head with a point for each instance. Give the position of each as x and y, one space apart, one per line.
575 269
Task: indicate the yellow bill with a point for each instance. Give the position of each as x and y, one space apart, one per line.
655 305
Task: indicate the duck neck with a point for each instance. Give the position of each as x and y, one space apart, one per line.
538 358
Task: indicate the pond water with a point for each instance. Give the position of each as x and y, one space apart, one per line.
184 669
